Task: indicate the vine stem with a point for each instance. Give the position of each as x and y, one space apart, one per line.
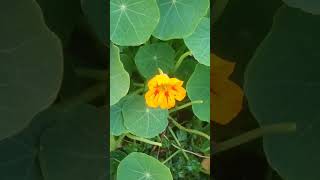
177 141
143 140
192 131
180 60
138 84
254 134
170 157
186 105
184 150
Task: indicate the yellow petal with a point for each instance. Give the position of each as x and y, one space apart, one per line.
221 66
171 101
163 101
180 93
175 82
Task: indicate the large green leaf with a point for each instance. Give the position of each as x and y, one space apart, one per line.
141 120
282 84
310 6
132 21
31 65
119 77
199 42
74 148
151 57
198 88
116 119
138 166
95 11
179 18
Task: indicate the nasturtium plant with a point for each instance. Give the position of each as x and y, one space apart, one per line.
31 65
160 44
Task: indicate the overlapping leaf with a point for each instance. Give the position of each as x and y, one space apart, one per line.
119 77
141 120
31 65
116 119
198 88
132 22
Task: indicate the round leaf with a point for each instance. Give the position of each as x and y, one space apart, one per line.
119 77
151 57
179 18
310 6
31 65
74 147
199 42
282 85
132 22
141 120
138 166
116 119
198 88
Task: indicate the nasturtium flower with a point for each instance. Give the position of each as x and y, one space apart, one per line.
164 91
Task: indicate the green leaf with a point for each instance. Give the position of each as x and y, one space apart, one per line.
179 18
128 63
116 119
141 120
186 68
119 77
74 148
31 65
198 88
141 166
199 42
18 158
95 11
132 22
151 57
55 16
282 85
310 6
115 158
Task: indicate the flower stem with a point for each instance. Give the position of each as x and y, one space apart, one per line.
170 157
180 60
192 131
185 105
143 140
254 134
177 141
138 84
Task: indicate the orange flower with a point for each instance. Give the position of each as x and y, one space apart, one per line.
164 91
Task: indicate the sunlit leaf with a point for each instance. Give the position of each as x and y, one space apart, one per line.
179 18
132 22
141 120
199 42
119 77
141 166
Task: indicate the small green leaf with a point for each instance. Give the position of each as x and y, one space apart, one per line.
151 57
119 77
141 120
179 18
137 166
198 88
199 42
31 65
95 11
116 119
74 147
132 22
